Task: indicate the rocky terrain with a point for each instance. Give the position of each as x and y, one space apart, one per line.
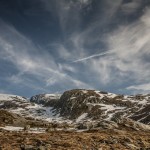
107 139
45 99
80 104
95 105
77 119
28 109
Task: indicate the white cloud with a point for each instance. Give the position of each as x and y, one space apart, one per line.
93 56
145 18
130 58
132 44
131 6
25 56
51 81
141 87
66 67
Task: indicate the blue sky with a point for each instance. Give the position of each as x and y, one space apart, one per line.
49 46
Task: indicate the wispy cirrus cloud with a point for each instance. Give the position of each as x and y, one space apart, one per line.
93 56
27 58
131 7
129 41
83 31
129 61
142 88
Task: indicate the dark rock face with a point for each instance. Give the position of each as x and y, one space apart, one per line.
72 103
102 105
143 115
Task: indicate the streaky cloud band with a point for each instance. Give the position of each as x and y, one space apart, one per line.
93 56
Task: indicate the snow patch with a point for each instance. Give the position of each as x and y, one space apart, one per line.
54 96
111 95
84 91
110 107
10 97
31 130
12 128
83 116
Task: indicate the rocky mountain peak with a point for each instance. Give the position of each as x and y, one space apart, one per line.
80 104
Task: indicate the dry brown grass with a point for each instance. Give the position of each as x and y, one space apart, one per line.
61 140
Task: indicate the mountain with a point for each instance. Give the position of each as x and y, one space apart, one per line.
82 105
45 99
27 109
79 105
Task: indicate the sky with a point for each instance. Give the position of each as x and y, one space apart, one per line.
50 46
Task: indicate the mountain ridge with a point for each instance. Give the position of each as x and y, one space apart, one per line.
79 105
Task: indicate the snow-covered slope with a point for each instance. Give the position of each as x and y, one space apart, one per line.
22 106
6 97
45 99
12 101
